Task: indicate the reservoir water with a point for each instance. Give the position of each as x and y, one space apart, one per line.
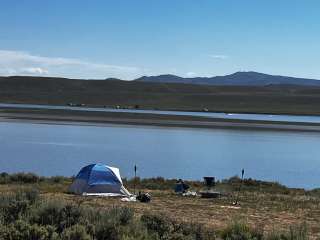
291 158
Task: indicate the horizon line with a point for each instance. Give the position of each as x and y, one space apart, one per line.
157 75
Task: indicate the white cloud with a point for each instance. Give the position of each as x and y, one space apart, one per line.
218 56
24 63
191 74
35 70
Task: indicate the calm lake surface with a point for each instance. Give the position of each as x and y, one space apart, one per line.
292 158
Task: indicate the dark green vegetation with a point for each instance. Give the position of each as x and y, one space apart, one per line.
33 207
159 183
288 99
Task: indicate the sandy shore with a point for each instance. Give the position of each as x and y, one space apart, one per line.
102 118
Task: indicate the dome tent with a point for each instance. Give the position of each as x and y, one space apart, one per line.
100 180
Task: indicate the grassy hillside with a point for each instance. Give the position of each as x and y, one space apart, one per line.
289 99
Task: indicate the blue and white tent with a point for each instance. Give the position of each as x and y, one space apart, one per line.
100 180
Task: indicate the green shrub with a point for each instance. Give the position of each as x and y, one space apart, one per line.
108 223
58 179
158 183
113 216
295 233
52 234
192 231
200 233
158 224
166 228
241 231
57 214
250 184
70 215
75 232
24 178
107 231
123 215
38 233
4 178
5 232
12 208
32 195
136 231
21 230
275 236
49 213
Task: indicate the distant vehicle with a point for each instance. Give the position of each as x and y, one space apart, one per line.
205 110
76 104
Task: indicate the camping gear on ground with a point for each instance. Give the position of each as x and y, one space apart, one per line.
144 197
209 182
99 180
189 194
132 198
209 192
181 186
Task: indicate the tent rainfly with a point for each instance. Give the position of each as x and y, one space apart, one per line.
99 180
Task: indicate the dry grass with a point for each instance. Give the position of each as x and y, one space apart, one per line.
259 210
262 210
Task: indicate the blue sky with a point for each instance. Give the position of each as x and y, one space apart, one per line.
127 39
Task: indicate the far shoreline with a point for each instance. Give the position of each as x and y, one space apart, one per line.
54 116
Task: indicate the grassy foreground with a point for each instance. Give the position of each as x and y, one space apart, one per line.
33 207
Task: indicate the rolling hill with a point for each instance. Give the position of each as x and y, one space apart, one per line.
235 79
287 98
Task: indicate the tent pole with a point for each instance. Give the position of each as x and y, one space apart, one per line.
242 174
135 178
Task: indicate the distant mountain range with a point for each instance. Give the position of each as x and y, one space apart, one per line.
239 92
235 79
